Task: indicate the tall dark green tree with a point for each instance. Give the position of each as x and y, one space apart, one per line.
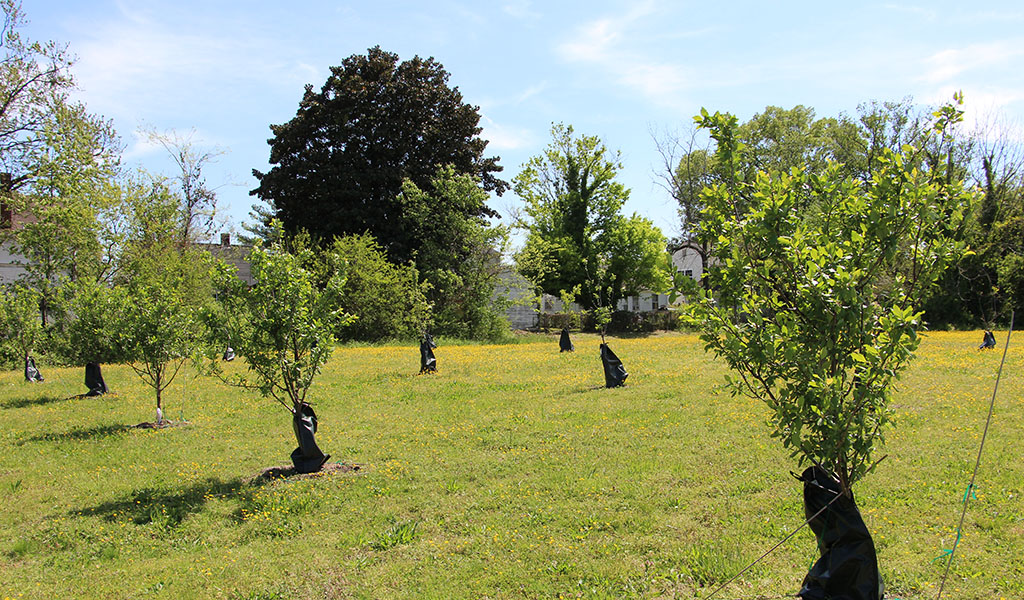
340 162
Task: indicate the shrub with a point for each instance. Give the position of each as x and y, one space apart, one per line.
387 299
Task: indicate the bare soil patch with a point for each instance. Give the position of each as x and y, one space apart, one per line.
161 425
288 471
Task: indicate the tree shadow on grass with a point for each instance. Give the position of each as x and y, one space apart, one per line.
589 388
169 507
26 402
80 434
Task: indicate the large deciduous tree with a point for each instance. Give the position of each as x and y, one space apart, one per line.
34 77
459 257
339 164
57 160
577 238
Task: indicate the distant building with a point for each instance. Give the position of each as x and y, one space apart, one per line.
522 312
10 264
236 256
687 260
10 221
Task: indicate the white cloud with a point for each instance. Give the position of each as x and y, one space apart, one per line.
593 42
984 108
947 64
489 103
503 137
529 92
140 146
520 9
135 62
605 44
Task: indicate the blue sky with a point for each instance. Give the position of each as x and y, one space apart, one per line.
619 70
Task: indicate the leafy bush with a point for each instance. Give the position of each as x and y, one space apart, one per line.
388 300
283 326
818 288
20 323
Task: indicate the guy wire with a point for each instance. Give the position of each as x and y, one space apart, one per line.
977 463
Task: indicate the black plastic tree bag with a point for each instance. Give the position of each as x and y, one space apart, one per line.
564 343
31 371
848 567
229 354
94 380
614 373
428 364
988 341
307 458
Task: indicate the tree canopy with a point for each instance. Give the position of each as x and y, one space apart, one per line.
982 288
459 257
577 238
819 285
340 163
283 326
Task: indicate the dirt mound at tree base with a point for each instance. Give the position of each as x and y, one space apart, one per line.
288 471
161 425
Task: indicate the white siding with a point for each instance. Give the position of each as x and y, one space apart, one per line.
687 261
9 270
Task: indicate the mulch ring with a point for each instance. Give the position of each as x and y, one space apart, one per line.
288 471
161 425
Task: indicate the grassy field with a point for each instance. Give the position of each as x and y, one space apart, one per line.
510 474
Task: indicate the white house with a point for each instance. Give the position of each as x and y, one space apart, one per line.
688 262
521 313
10 263
236 255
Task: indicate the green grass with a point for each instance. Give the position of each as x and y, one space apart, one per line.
510 474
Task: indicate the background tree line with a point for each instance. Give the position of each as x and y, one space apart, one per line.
981 288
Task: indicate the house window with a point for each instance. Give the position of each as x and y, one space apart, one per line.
688 272
654 302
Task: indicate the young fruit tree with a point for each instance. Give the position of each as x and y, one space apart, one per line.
86 329
283 326
162 326
20 324
814 303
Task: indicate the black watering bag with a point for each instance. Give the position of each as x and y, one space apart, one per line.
307 458
428 364
848 567
94 380
614 373
31 371
564 343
